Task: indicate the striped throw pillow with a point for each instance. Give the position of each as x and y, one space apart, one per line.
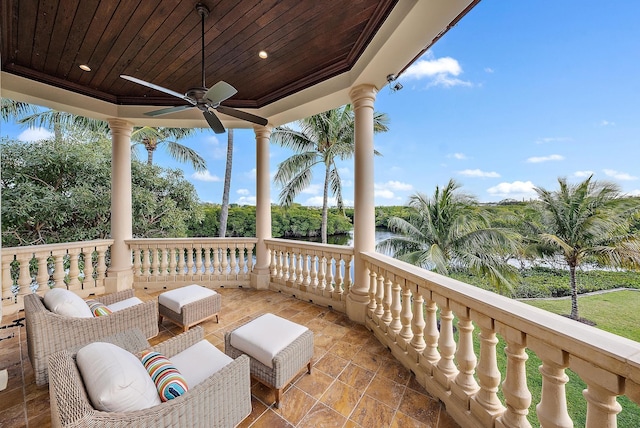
169 382
98 309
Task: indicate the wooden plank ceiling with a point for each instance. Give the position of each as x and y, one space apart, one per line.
160 42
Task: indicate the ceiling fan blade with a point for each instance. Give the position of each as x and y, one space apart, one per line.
214 122
157 88
242 115
220 92
167 110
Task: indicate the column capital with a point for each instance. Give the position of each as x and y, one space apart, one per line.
363 95
262 131
120 126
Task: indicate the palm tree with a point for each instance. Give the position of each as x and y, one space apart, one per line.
449 232
589 220
152 138
10 109
320 139
224 209
66 125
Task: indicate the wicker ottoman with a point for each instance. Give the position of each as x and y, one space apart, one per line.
278 349
190 305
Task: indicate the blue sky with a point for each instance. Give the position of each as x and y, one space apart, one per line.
519 93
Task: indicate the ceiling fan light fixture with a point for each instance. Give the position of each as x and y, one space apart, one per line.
84 67
263 54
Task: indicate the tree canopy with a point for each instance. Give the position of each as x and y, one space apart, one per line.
60 191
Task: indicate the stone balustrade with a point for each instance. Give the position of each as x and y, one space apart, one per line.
428 321
317 273
210 262
39 267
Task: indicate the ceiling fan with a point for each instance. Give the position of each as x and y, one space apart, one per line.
207 100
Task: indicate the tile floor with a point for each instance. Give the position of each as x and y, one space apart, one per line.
355 381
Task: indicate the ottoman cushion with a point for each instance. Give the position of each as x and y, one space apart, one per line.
176 299
265 336
198 362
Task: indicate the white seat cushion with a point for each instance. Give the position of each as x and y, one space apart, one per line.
123 304
64 302
115 379
265 336
198 362
176 299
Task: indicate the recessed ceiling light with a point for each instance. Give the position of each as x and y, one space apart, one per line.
262 54
85 67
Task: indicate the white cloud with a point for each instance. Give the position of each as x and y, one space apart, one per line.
635 192
345 172
441 71
217 150
479 173
251 174
515 190
488 70
34 134
313 189
538 159
243 192
393 185
619 175
583 174
383 193
316 201
205 176
458 156
607 123
246 200
553 140
347 183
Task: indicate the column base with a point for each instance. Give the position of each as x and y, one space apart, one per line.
118 281
357 307
260 279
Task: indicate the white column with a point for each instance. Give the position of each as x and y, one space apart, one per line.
260 274
362 99
120 273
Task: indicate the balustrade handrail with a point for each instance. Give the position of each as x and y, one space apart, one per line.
327 248
572 336
30 249
197 241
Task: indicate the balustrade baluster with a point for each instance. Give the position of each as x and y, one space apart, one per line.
24 274
306 272
406 316
224 265
275 266
314 271
465 385
74 270
446 368
233 262
373 282
322 275
486 405
602 407
287 258
190 263
386 317
207 262
396 305
418 323
137 261
102 265
431 334
7 281
216 261
155 261
250 258
43 272
88 281
173 262
198 251
164 261
379 298
514 387
337 284
58 269
241 259
299 262
146 262
348 282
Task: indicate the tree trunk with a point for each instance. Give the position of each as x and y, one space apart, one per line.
325 206
224 211
574 292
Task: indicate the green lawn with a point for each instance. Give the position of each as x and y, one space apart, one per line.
616 312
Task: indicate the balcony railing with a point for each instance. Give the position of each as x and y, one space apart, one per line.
445 331
38 267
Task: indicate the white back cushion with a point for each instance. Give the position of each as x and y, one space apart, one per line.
115 379
64 302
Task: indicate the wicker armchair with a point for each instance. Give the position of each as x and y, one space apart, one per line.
48 332
222 400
